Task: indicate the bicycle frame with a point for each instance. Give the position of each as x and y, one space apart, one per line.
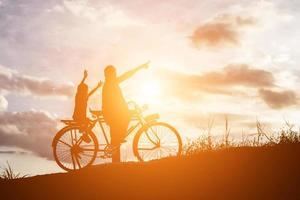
141 121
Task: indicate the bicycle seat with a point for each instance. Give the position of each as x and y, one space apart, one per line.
97 113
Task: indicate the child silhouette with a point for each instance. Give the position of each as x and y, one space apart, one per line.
81 99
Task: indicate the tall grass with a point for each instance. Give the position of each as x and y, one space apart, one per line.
285 136
9 174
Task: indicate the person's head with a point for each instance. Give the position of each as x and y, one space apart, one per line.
110 72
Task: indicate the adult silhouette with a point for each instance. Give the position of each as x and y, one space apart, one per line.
115 110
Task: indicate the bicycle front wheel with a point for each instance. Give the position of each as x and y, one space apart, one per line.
74 149
157 140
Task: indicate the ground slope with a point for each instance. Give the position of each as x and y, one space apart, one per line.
235 173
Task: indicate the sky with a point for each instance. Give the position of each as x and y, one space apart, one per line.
208 59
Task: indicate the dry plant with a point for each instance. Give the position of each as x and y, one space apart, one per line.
9 174
227 132
286 136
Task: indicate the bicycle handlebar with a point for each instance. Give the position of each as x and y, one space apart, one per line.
138 108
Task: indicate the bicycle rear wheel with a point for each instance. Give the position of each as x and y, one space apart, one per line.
157 140
74 149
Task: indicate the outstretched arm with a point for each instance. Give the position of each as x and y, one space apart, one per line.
130 73
95 89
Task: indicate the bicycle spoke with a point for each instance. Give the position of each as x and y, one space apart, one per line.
170 148
72 139
166 152
89 155
147 148
64 155
73 161
64 143
161 140
155 134
86 145
153 153
75 136
63 147
160 151
84 149
77 160
143 154
150 139
150 153
82 154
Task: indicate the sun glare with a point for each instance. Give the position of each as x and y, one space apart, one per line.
149 92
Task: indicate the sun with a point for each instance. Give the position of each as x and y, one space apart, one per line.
149 92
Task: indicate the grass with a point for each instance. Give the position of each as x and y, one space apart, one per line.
287 135
9 174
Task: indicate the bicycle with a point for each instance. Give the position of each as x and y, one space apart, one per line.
76 146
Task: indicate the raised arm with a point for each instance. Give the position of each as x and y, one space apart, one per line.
130 73
95 89
85 74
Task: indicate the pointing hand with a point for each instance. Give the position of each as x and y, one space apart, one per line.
146 65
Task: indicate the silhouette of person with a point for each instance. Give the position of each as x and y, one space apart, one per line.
81 99
114 107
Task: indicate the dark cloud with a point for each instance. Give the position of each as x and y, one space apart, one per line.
223 29
13 81
277 100
188 86
13 152
240 74
231 81
214 34
31 130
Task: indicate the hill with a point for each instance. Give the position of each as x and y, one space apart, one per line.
234 173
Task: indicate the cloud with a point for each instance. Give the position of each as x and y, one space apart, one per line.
232 80
214 34
12 81
224 82
278 100
3 103
240 74
31 130
236 20
221 30
12 152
